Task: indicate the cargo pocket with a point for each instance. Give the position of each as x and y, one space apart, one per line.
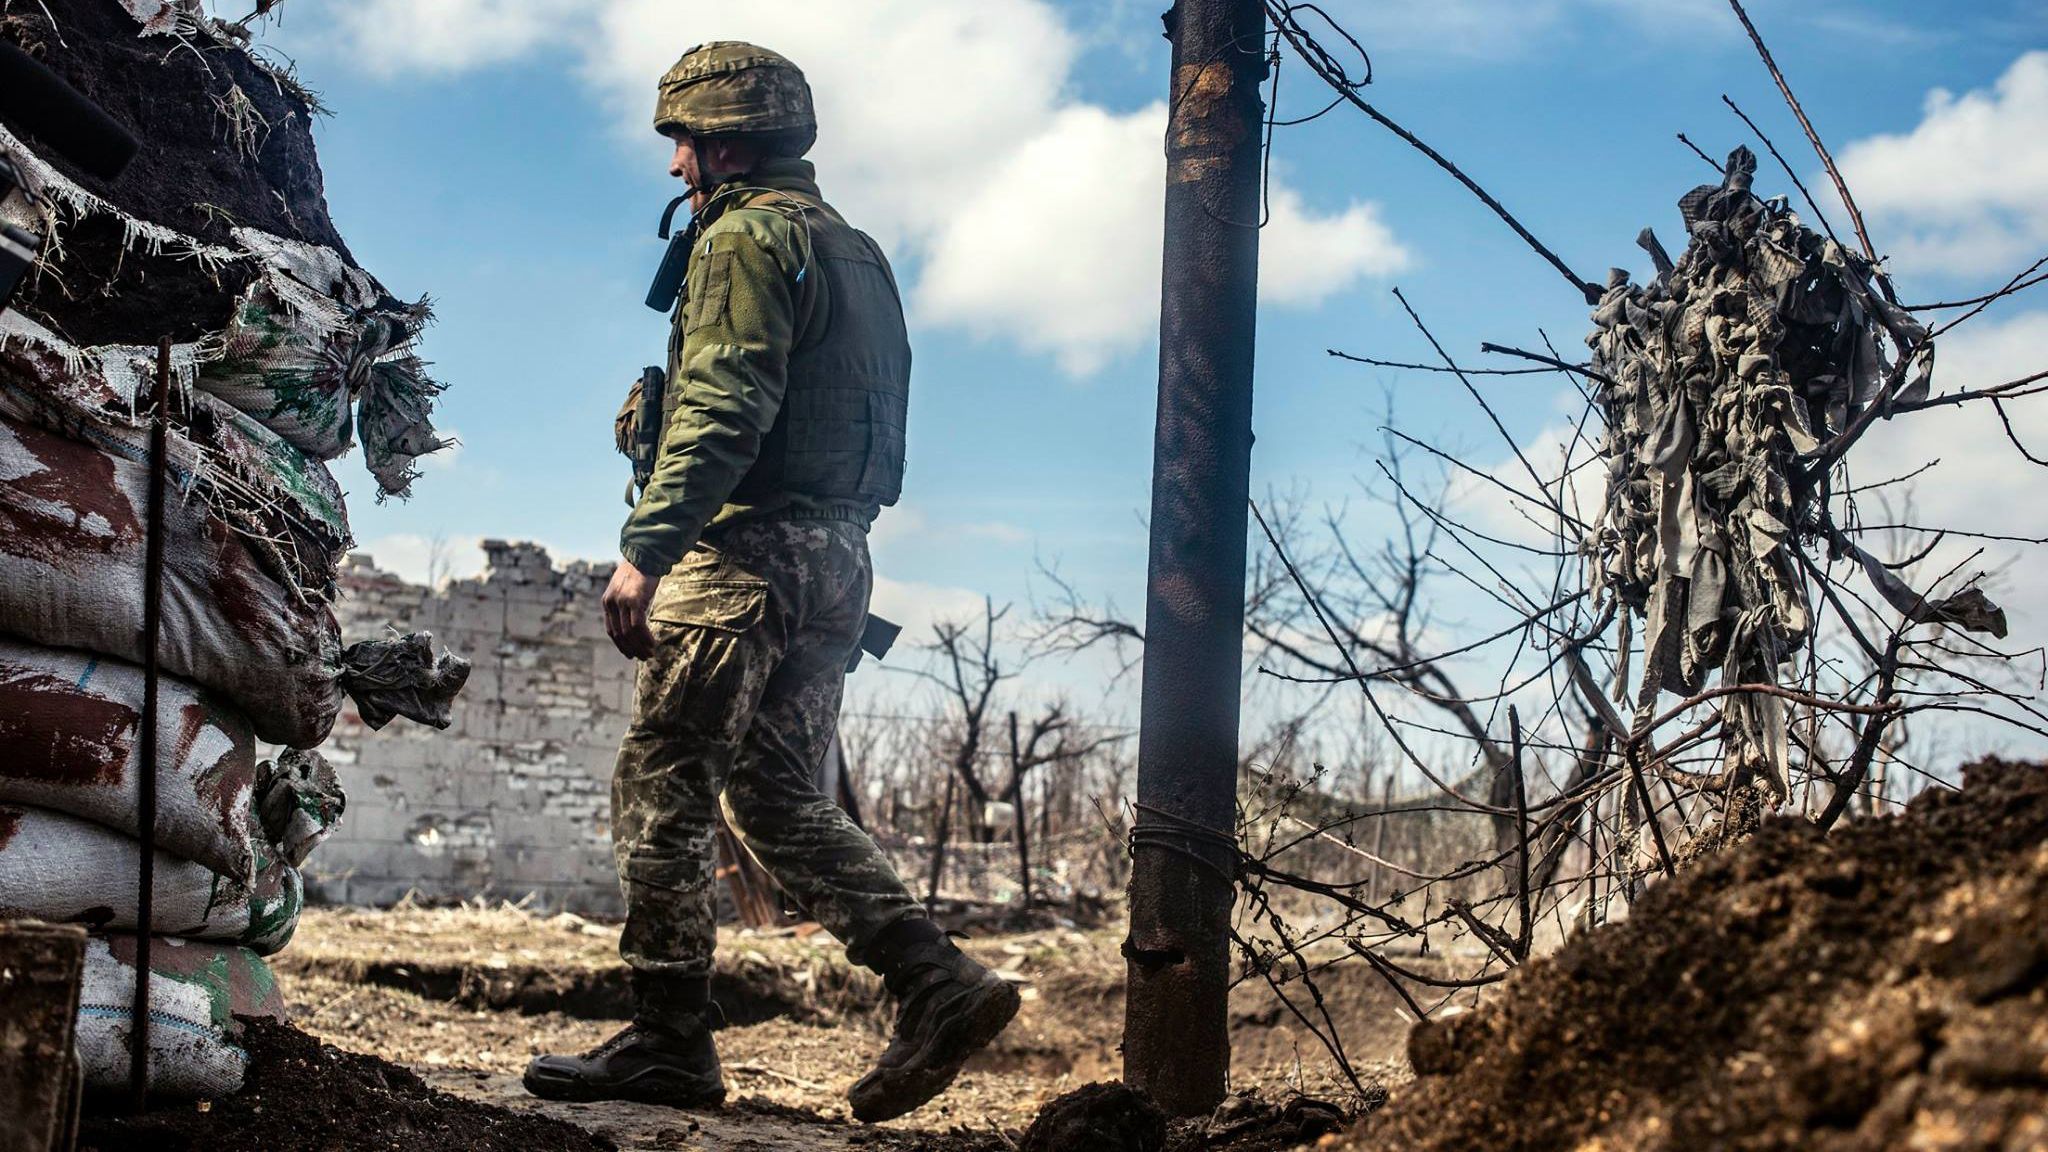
722 605
708 668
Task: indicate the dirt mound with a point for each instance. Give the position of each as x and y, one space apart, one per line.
1883 988
175 95
1114 1117
226 141
302 1094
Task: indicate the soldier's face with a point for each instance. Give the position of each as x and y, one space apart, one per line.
685 166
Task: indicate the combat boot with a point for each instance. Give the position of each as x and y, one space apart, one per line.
949 1008
665 1056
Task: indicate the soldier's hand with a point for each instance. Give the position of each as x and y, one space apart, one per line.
626 600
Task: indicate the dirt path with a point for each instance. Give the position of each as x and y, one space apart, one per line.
750 1123
467 996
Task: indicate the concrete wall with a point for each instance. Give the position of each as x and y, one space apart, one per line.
515 797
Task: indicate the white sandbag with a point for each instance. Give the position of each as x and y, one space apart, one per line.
195 992
71 576
294 360
70 729
65 870
243 471
310 339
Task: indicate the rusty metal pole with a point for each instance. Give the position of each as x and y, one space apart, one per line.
1176 1042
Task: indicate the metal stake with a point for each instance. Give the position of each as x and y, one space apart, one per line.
1176 1042
152 625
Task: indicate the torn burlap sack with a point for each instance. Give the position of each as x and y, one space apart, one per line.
299 802
403 677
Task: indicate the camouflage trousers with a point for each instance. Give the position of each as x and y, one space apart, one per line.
735 710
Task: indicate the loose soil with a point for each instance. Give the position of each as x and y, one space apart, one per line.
188 175
304 1095
1114 1117
1885 987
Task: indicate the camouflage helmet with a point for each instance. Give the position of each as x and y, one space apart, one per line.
729 88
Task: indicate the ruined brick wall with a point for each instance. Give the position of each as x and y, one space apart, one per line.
515 797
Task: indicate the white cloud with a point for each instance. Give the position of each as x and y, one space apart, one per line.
1966 191
1982 483
448 36
1527 518
421 559
949 132
1071 267
999 531
1060 247
1304 258
918 606
906 523
898 525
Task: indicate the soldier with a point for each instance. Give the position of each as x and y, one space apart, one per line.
744 588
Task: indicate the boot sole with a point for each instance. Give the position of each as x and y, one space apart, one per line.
652 1086
938 1063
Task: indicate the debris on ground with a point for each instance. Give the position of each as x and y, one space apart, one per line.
1884 987
1249 1122
1112 1117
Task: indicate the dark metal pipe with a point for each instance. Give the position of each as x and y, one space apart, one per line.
1176 1043
152 626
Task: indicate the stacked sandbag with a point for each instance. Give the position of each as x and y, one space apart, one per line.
72 541
70 726
197 992
212 928
62 869
284 356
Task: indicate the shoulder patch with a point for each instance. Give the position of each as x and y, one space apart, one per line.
780 234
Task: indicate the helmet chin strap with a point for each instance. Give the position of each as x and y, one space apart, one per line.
691 190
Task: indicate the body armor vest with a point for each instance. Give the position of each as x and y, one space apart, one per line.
839 435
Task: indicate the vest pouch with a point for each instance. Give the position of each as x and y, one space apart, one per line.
711 293
881 471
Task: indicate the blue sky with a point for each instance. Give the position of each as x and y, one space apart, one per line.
496 154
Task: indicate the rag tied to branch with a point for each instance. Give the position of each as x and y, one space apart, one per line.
1723 382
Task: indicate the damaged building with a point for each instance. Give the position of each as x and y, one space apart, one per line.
514 799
